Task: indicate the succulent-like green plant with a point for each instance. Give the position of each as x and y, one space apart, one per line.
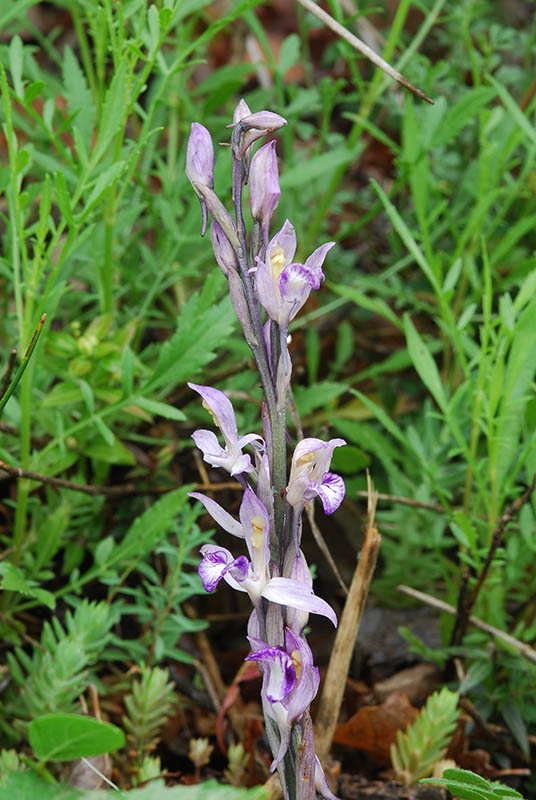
425 742
148 705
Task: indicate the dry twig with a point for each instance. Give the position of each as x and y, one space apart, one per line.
339 662
341 31
521 647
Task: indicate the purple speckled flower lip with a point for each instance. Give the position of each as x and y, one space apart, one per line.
267 289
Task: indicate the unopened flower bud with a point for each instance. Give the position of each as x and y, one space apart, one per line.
200 164
264 186
223 250
250 128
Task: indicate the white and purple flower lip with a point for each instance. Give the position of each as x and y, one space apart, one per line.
310 476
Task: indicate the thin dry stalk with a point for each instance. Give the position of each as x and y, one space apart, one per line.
339 663
353 40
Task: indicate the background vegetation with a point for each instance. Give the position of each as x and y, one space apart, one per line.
419 349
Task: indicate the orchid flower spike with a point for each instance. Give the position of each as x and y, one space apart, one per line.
283 286
290 683
309 475
253 576
200 165
231 457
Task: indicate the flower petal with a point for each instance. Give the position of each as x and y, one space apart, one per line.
219 514
213 566
331 491
281 673
287 592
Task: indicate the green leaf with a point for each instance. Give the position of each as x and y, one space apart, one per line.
318 166
374 304
115 453
14 580
112 112
104 431
462 113
200 332
64 737
104 182
319 395
516 723
159 409
513 108
16 61
464 531
289 54
79 100
63 198
424 363
146 531
27 786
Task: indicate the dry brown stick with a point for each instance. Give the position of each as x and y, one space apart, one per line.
341 655
124 488
367 51
464 608
406 501
521 647
18 472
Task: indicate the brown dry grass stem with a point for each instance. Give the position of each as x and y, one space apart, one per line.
339 663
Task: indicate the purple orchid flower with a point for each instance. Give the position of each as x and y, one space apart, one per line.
231 457
283 286
200 165
309 475
290 682
253 576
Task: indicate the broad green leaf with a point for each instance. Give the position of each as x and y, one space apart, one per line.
406 236
104 182
514 110
200 332
65 737
319 395
465 532
112 112
16 60
516 723
154 26
462 113
159 409
79 100
519 374
63 198
104 431
424 363
318 166
10 9
374 304
289 54
146 531
14 580
115 453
